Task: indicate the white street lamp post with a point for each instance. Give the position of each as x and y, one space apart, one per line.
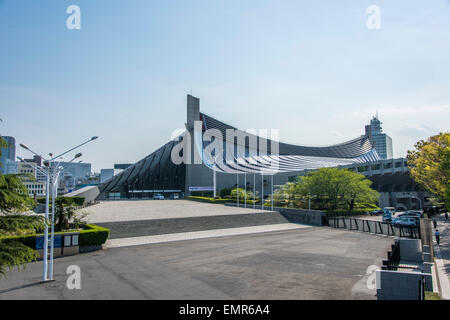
45 247
254 190
272 192
214 182
262 192
237 188
245 190
309 201
52 243
48 165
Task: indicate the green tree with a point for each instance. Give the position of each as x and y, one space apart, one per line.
357 190
14 254
332 189
14 199
13 194
429 164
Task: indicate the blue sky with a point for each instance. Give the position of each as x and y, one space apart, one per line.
310 68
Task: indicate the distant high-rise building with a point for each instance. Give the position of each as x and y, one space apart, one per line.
106 174
36 160
383 142
73 174
8 156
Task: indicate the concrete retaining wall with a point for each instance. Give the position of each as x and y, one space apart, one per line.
397 285
310 217
411 250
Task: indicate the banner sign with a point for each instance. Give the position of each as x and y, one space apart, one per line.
201 188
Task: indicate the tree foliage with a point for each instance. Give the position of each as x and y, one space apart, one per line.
330 189
13 194
66 215
14 254
14 198
429 164
241 192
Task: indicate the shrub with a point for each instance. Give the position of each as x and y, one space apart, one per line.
78 201
66 201
216 200
225 192
209 200
429 295
93 235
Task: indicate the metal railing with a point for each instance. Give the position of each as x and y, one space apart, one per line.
371 226
393 258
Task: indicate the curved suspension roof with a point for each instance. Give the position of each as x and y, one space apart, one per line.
238 158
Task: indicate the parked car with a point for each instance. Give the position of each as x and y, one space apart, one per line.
410 214
419 213
376 212
405 222
387 215
175 196
158 196
392 210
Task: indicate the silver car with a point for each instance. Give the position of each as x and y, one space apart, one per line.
405 222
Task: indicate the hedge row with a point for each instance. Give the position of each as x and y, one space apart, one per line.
92 235
76 201
212 200
209 200
28 240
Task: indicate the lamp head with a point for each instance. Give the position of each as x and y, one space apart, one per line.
94 138
24 146
78 155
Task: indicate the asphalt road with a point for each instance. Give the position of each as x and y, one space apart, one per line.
309 263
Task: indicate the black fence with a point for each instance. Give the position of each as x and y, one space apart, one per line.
371 226
393 259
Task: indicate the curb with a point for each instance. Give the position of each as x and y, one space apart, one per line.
443 281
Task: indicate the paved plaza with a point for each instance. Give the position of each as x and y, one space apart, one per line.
305 263
135 210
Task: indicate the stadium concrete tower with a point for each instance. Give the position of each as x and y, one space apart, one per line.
213 155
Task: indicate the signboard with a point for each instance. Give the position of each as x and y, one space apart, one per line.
153 191
201 188
40 242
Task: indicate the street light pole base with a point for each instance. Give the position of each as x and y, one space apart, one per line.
48 280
